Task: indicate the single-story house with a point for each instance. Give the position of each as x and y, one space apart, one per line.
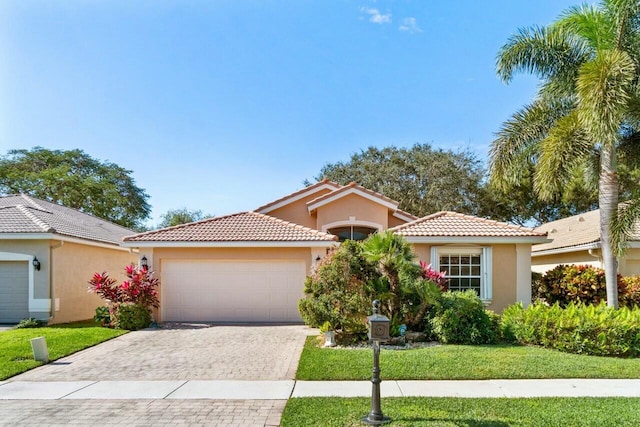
576 240
250 266
48 253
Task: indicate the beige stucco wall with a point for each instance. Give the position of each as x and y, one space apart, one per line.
73 266
393 221
504 272
297 212
363 211
542 264
160 255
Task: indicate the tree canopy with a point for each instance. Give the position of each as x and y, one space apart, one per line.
76 180
584 117
422 179
181 216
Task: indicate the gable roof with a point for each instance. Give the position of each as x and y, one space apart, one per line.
455 227
23 216
352 188
297 195
241 229
577 232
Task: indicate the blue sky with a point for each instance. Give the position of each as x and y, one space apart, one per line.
224 105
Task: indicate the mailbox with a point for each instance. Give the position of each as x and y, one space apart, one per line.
378 324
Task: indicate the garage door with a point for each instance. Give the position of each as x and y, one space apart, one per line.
14 291
234 291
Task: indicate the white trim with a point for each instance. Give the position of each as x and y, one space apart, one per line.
473 239
34 305
584 247
486 260
297 197
315 205
523 274
403 217
56 236
304 244
352 223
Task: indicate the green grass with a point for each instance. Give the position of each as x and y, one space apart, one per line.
459 362
16 355
406 411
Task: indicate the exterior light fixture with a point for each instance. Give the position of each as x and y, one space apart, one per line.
36 263
144 263
318 258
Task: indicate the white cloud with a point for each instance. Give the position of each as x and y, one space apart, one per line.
375 16
410 25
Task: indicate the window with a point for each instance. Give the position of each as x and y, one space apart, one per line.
352 232
467 268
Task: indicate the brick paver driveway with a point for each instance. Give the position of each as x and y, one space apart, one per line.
172 352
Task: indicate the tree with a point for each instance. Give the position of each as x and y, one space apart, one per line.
75 180
423 180
586 108
181 216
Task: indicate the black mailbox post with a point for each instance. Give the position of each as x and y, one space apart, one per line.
378 331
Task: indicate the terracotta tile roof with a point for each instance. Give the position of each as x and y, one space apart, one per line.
240 227
350 187
24 214
452 224
577 230
407 214
310 188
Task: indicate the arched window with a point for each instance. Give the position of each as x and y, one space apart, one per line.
352 232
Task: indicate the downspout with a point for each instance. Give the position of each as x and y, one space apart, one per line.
51 296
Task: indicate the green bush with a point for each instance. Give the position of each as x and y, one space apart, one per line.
103 316
582 329
461 318
630 296
574 283
30 322
131 316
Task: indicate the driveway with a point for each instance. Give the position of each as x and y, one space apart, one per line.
174 352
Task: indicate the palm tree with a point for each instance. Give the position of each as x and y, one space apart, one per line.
587 108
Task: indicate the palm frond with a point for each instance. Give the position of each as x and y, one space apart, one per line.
623 224
590 22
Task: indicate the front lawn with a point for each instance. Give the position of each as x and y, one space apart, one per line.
440 411
16 355
458 362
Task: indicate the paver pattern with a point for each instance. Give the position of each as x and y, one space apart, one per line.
172 352
183 352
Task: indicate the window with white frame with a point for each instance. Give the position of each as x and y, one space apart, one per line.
466 267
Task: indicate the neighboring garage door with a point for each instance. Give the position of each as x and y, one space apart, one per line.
14 291
232 291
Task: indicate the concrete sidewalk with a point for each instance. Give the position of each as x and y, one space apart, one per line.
284 389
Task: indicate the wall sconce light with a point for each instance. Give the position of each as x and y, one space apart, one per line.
144 263
36 263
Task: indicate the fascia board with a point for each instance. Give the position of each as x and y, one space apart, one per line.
56 236
315 205
297 197
302 244
475 239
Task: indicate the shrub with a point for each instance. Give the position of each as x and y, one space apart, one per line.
461 318
139 290
103 316
131 316
583 329
30 322
630 296
574 283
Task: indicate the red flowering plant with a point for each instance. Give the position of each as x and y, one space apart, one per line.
139 290
437 277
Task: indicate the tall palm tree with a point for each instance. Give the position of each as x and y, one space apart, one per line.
587 107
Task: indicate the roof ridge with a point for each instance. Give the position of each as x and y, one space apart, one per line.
493 221
355 186
419 220
297 192
174 227
37 221
289 223
33 203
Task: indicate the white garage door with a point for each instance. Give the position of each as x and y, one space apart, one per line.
14 291
232 291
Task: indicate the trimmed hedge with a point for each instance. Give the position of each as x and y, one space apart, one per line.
582 329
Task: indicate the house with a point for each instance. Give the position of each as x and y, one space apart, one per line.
576 240
48 253
251 266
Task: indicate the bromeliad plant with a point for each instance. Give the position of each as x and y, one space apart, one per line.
130 302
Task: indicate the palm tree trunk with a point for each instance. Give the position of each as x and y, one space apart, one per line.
608 201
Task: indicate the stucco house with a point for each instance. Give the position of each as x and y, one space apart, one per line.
48 253
576 240
250 266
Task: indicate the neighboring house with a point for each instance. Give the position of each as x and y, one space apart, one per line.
576 240
251 266
48 253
